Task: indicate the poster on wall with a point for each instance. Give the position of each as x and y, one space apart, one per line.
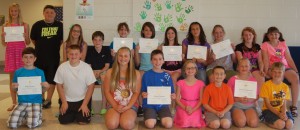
84 9
165 13
2 19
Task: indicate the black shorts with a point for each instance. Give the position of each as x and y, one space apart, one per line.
49 71
72 114
270 117
150 113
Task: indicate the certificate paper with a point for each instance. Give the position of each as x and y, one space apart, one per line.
121 42
245 88
159 95
29 85
172 53
222 49
147 45
14 34
196 52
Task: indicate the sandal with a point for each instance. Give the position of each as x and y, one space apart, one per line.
293 110
11 107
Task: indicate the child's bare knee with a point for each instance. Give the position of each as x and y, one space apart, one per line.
214 124
150 123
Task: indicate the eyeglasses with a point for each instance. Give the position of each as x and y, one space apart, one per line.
77 31
190 68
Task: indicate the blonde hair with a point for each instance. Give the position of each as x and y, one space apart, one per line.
243 59
184 67
278 65
20 19
130 80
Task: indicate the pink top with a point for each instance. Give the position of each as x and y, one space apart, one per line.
231 84
276 54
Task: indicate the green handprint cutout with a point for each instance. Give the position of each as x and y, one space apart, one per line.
158 7
168 4
143 15
162 27
147 5
138 27
189 9
178 7
157 17
181 18
168 18
170 25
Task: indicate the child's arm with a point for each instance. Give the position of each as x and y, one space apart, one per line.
261 63
84 51
226 109
3 37
210 109
26 34
290 60
269 106
283 115
233 56
137 59
45 86
84 106
178 98
136 93
64 51
61 93
107 91
265 59
199 103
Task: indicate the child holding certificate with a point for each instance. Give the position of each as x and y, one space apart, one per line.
244 109
13 52
217 101
75 38
122 85
29 108
275 94
75 85
274 49
196 36
156 77
189 94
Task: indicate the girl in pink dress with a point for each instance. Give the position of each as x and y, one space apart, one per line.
13 55
189 95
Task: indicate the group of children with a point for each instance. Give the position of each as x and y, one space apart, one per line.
123 86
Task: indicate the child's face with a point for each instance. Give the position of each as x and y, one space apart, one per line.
75 32
195 30
277 74
248 37
14 12
97 41
157 61
244 67
49 14
28 59
190 69
218 34
171 35
147 32
74 55
123 57
123 32
219 75
274 36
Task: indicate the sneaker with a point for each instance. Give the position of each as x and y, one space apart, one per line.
140 111
46 104
103 111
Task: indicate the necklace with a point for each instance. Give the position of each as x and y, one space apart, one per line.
48 24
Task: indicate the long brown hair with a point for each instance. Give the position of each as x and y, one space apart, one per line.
166 40
70 39
273 30
251 30
130 80
202 36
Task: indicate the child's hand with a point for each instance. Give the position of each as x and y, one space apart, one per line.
188 109
63 108
144 94
132 52
262 73
15 85
283 116
85 110
244 99
213 56
182 56
137 48
200 60
125 108
173 96
112 53
221 114
232 46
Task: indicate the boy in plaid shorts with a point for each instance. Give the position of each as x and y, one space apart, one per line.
29 108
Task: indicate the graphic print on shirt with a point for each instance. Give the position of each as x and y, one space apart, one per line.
122 94
277 98
253 58
278 53
49 32
165 80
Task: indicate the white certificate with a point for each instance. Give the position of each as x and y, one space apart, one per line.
172 53
14 34
29 85
147 45
159 95
195 51
222 49
243 88
121 42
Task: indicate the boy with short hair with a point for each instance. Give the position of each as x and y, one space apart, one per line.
275 93
75 85
217 101
157 77
99 58
29 106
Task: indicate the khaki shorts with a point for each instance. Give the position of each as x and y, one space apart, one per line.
209 117
150 113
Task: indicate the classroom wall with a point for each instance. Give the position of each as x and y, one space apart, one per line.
234 15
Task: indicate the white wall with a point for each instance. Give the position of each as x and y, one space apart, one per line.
32 11
234 15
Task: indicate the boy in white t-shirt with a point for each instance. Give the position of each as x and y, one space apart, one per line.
75 85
